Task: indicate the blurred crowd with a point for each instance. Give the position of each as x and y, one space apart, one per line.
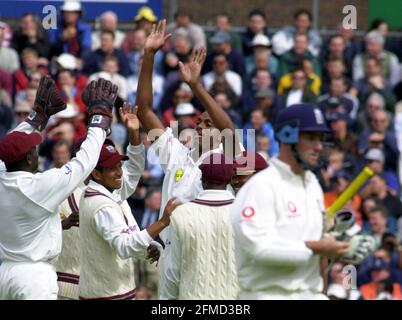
356 81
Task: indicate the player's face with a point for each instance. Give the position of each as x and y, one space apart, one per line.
205 131
310 146
239 180
111 178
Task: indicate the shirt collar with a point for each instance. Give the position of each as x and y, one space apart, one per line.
98 187
286 169
211 194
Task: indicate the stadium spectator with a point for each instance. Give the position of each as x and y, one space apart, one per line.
260 125
9 61
180 50
291 59
110 69
298 92
220 70
262 57
72 35
375 48
378 189
223 100
284 39
338 92
136 50
183 19
95 60
221 44
223 23
256 24
313 80
30 68
107 21
374 82
31 34
380 135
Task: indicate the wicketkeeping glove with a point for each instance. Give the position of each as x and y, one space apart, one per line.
99 97
48 102
360 246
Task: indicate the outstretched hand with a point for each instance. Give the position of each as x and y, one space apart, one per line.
157 37
128 115
190 72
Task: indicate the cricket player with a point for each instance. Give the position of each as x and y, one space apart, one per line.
180 164
109 234
30 229
245 166
278 216
201 261
68 262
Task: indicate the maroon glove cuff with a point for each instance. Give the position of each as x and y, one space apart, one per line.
100 121
37 118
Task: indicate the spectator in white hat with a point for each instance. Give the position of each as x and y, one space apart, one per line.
72 35
262 57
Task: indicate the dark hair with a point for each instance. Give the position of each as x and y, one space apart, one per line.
34 16
297 34
218 54
302 11
30 49
339 78
257 12
376 60
150 192
108 32
60 143
225 14
111 57
376 23
335 36
381 209
183 13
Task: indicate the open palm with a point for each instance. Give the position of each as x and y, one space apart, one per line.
128 115
190 72
157 37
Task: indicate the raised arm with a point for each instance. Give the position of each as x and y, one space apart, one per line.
153 43
134 166
190 73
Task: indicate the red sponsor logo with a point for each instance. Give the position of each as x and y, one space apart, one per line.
293 209
248 212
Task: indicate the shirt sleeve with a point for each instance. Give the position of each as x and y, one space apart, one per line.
169 289
128 241
48 189
166 146
132 169
255 225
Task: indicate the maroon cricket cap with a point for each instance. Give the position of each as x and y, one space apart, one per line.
249 162
109 156
216 168
15 145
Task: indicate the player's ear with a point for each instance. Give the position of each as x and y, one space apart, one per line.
97 174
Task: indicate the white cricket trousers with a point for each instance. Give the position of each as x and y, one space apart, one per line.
28 281
281 295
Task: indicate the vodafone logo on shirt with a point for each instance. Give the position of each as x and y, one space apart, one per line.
248 212
292 210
